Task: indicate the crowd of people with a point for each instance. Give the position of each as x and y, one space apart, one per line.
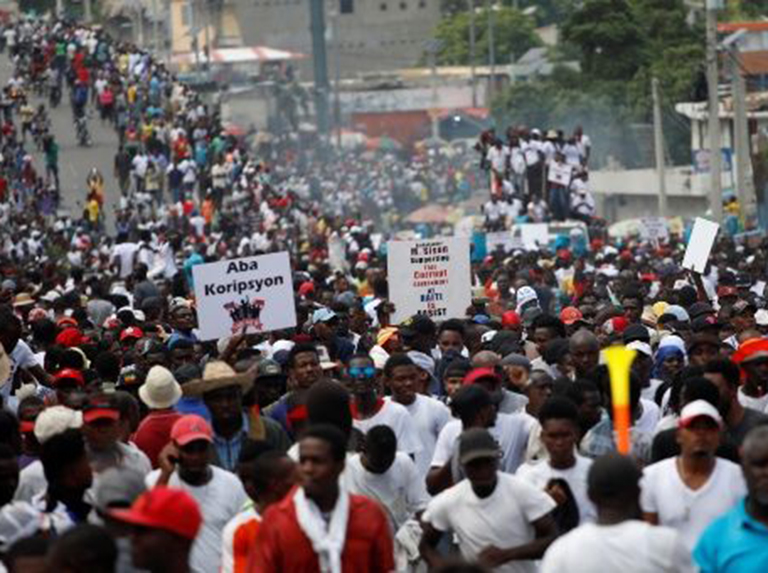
484 442
536 177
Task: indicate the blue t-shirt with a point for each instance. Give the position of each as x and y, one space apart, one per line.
734 543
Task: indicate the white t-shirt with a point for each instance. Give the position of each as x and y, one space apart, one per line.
220 500
399 490
510 431
124 253
498 158
690 512
21 357
539 474
503 519
759 404
430 416
649 418
629 547
396 417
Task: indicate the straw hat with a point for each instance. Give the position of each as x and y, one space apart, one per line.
216 375
160 390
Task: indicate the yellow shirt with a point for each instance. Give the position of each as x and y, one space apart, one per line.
93 210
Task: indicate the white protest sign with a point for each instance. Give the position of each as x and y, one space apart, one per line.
255 293
430 277
504 239
560 174
700 244
534 235
654 229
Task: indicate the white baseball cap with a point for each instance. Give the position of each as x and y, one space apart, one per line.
699 409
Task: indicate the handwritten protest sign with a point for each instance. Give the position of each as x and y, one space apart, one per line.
700 244
534 235
430 277
252 293
504 240
560 174
654 229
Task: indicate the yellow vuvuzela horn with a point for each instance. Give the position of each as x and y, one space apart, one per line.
619 359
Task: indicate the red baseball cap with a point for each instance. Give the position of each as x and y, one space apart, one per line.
100 408
510 319
306 288
479 373
66 321
131 332
166 508
571 315
190 428
69 374
615 325
70 337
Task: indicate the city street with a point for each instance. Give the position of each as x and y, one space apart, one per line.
76 161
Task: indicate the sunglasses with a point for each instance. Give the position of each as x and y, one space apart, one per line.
367 372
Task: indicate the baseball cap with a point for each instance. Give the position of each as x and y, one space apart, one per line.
702 338
741 306
571 315
480 373
306 288
698 309
268 368
761 317
640 346
165 508
131 332
417 324
699 409
475 444
70 337
100 407
525 294
617 325
530 314
636 332
117 486
69 374
704 322
510 319
323 315
55 420
422 361
190 428
678 312
515 359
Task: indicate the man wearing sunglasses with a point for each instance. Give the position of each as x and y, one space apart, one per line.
369 409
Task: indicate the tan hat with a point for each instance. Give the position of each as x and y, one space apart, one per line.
216 375
5 366
160 390
23 299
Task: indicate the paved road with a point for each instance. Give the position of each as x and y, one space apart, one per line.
74 161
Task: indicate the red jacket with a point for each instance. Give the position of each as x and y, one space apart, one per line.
282 547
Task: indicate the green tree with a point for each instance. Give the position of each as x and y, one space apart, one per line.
513 36
609 37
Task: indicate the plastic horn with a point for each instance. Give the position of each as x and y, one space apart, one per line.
619 360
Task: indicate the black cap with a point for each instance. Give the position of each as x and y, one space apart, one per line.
636 332
700 309
705 322
268 369
417 324
476 444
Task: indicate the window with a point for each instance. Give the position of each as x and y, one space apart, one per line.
383 7
186 14
346 6
422 4
403 6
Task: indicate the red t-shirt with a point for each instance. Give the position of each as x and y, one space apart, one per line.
154 433
282 547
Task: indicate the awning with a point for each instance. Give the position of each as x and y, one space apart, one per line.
239 55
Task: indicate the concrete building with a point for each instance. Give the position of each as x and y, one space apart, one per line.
363 35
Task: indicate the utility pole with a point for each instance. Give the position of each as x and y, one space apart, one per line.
658 144
472 71
335 37
320 61
207 31
715 189
491 49
433 47
87 12
746 198
156 28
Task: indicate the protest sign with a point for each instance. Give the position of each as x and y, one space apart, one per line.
700 244
252 293
534 235
504 239
430 277
560 174
654 229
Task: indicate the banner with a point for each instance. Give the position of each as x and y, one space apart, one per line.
252 293
430 277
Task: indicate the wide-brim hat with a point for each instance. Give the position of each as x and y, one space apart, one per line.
160 390
217 375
